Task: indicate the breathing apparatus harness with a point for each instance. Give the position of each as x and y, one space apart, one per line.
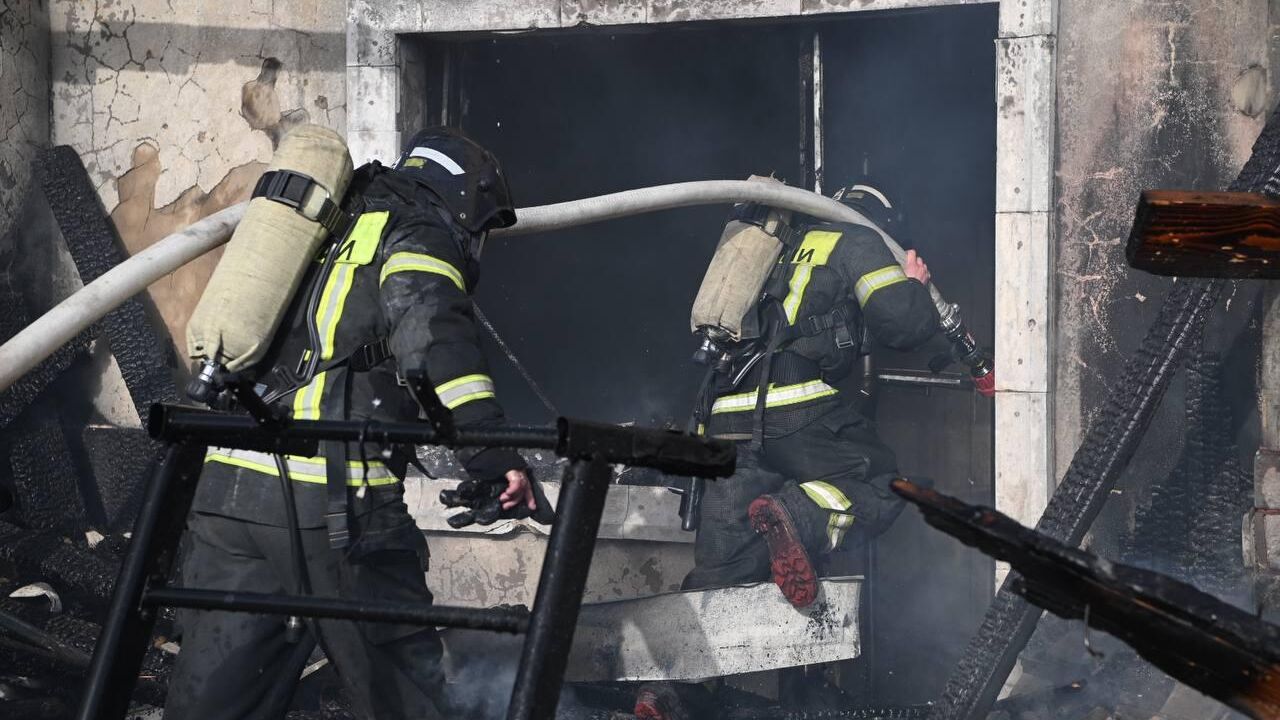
721 354
215 386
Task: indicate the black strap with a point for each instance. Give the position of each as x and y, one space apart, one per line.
766 365
758 214
291 189
336 517
363 359
837 320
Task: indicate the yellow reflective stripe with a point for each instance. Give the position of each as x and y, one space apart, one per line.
465 389
306 402
301 469
361 244
331 309
876 279
333 300
829 497
799 283
417 262
837 526
814 250
777 397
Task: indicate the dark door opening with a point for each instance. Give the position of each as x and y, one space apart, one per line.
599 314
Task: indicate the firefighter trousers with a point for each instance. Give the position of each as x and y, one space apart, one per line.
832 475
240 665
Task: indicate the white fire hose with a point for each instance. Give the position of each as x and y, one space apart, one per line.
72 316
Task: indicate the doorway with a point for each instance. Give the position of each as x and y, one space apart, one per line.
599 314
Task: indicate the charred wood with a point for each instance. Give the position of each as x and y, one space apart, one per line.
1212 646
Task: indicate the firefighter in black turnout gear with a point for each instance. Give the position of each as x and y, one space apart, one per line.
812 474
389 300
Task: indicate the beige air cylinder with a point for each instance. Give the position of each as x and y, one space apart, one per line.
268 255
737 273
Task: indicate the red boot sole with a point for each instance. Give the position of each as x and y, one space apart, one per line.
793 572
648 707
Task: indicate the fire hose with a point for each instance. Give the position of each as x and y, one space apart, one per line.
88 305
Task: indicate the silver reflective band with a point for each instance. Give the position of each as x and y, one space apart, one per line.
463 390
777 397
445 161
308 470
829 497
876 279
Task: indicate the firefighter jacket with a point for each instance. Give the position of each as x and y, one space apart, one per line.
394 297
834 283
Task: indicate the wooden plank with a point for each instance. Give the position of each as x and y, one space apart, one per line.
1206 234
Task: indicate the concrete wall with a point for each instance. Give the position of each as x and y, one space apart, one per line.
175 106
1151 94
24 99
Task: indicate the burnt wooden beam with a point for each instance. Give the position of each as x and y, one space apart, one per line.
1206 234
1212 646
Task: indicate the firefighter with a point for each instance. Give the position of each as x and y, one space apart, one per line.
386 303
812 474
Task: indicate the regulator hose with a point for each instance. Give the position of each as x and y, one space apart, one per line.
88 305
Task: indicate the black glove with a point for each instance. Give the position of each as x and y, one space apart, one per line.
481 498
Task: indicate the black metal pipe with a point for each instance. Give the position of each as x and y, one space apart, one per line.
113 673
564 575
495 619
173 423
672 452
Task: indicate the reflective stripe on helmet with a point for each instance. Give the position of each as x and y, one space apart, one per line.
828 497
465 389
301 469
418 262
876 279
813 251
779 396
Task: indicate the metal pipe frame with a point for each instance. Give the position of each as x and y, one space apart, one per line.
592 447
564 576
496 619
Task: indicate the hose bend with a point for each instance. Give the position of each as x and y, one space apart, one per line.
89 304
700 192
41 338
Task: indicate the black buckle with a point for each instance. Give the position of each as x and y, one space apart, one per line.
816 324
750 213
286 187
369 355
844 338
338 530
332 217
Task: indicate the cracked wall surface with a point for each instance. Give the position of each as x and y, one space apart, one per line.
24 99
175 106
1151 94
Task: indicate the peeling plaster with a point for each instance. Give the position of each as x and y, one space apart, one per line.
126 72
176 105
24 97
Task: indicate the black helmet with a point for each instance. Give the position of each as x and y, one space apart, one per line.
465 176
871 201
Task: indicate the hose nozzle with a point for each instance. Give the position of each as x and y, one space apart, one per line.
965 350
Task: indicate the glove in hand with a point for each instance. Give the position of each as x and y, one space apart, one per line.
482 503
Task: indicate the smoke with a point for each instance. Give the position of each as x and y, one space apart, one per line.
481 670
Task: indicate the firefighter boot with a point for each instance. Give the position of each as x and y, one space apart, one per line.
784 520
659 701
